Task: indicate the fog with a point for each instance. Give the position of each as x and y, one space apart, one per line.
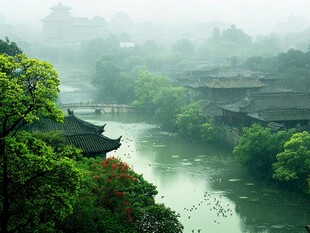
260 16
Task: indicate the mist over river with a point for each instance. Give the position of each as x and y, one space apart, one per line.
202 183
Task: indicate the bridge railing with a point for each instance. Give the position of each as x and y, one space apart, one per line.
94 105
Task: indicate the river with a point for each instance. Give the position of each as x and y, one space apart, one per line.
201 182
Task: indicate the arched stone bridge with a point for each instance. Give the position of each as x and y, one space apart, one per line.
100 108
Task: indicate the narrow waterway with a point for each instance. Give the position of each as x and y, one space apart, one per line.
202 182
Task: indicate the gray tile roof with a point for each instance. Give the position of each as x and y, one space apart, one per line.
72 125
93 144
256 102
281 115
81 134
234 83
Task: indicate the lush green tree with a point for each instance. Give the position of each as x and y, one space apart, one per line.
116 199
293 164
209 132
147 87
9 48
42 184
168 101
189 120
28 89
57 141
258 147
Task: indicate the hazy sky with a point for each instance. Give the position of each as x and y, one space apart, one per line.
246 14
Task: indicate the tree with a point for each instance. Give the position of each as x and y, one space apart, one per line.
42 185
294 67
147 87
293 164
168 101
9 48
185 47
116 199
107 72
189 120
28 89
111 82
237 36
258 147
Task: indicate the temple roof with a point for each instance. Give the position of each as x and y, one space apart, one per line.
72 125
234 83
60 6
81 134
222 73
92 144
281 115
256 102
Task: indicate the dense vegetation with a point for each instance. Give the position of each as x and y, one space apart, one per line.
292 68
283 156
47 186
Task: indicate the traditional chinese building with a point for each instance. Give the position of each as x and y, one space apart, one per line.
81 134
286 108
222 84
59 25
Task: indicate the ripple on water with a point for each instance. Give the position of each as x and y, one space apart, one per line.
197 160
277 226
159 146
234 180
175 156
187 164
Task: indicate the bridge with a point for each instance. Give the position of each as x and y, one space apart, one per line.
100 108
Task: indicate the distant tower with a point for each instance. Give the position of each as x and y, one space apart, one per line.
57 24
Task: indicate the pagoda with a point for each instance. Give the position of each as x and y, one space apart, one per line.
60 26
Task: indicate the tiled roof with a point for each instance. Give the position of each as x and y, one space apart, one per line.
226 73
72 125
212 110
81 134
93 144
281 115
222 73
255 102
228 83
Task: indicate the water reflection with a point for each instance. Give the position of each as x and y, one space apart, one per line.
203 183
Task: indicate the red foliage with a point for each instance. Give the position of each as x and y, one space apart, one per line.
112 192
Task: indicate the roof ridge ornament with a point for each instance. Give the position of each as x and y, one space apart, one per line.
70 112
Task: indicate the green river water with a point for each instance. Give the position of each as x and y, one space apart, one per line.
201 182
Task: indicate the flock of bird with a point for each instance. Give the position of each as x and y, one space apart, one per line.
215 204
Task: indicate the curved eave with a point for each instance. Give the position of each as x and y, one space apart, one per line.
93 143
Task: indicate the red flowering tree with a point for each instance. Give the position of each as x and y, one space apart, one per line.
117 199
121 190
